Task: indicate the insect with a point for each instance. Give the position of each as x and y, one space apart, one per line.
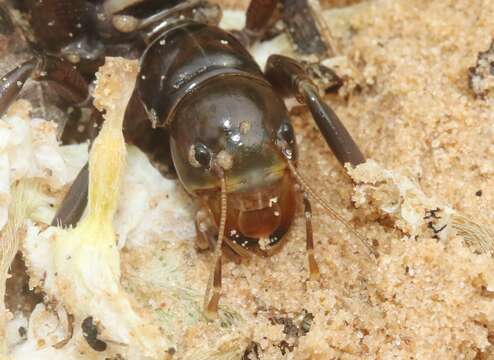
202 104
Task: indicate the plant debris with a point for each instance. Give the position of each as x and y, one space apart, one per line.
481 76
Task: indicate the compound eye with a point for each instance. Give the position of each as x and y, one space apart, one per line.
286 133
200 156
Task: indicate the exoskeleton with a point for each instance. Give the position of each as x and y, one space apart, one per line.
203 107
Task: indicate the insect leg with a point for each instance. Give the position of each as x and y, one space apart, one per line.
11 83
260 17
206 231
301 25
289 79
211 303
73 88
313 267
56 23
6 24
153 25
70 84
74 202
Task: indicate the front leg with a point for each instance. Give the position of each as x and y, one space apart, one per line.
207 234
290 79
206 229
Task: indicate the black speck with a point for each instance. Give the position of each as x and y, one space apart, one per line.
295 327
252 352
285 347
22 332
90 333
478 193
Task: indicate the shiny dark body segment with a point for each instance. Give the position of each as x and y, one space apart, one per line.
198 84
181 58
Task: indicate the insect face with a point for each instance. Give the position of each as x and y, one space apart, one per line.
258 219
233 125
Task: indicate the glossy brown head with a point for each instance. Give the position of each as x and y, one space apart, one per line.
233 123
